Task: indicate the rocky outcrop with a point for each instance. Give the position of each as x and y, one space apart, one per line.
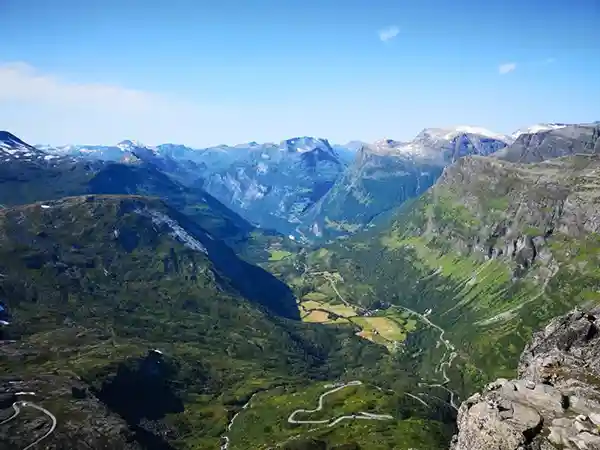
555 404
515 212
553 142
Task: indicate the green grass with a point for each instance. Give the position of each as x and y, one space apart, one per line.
88 302
278 255
268 413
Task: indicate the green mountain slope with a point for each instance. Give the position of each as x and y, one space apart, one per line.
24 181
494 249
374 183
135 306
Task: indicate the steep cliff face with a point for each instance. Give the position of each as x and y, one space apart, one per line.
274 185
523 214
387 173
494 250
553 142
380 178
555 403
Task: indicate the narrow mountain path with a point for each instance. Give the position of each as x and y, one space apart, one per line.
447 358
49 414
334 287
17 409
225 438
22 404
444 363
419 399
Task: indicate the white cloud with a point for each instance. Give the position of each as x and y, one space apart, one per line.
46 108
549 60
388 33
503 69
20 82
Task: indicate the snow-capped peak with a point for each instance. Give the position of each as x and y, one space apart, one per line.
10 141
450 133
538 128
448 143
13 148
128 144
305 144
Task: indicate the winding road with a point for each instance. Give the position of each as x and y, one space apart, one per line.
444 364
447 358
22 404
49 414
225 438
17 409
331 422
362 415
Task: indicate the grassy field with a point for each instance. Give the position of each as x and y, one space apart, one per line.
278 255
386 329
265 420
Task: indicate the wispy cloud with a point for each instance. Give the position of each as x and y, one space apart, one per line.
41 104
505 68
21 82
549 60
388 33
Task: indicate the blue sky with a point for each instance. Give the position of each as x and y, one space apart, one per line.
210 72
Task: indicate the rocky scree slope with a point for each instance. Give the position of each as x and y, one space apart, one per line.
555 402
516 213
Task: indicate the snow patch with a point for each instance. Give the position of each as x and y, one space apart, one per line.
261 168
472 130
538 128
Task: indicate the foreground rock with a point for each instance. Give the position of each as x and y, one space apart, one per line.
556 402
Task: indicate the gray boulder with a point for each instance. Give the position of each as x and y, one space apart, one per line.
556 402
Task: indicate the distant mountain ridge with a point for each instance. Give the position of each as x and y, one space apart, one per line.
307 188
12 148
45 177
553 142
387 173
147 267
492 251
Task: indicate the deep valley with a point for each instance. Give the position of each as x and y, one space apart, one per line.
302 295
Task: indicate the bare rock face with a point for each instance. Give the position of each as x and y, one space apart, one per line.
556 402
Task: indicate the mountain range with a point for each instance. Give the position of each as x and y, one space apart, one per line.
288 186
301 295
